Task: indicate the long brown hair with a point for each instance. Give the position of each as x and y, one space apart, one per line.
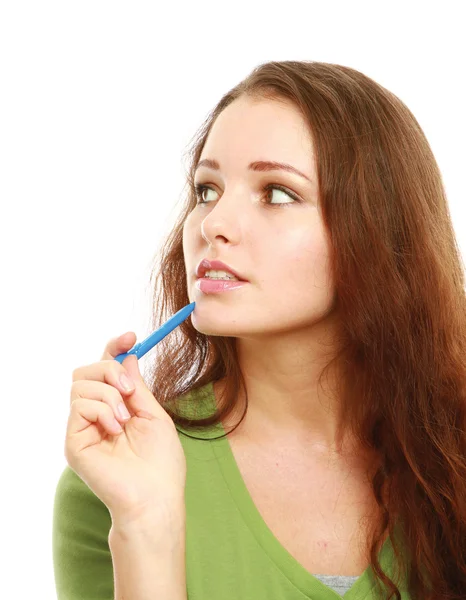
400 295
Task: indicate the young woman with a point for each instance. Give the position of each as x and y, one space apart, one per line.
318 398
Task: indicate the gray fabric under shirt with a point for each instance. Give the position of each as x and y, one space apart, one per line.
339 583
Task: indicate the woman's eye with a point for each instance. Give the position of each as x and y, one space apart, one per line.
200 189
281 191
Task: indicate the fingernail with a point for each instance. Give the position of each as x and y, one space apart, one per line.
123 411
126 383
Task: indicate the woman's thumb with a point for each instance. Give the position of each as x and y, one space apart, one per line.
131 364
141 401
118 345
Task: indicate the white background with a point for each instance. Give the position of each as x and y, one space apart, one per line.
98 102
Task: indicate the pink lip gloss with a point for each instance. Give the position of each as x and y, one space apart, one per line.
217 286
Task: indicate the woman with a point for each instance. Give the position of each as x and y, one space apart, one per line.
327 389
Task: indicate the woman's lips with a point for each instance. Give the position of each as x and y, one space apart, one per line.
216 265
217 286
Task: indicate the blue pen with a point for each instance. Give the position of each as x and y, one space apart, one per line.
154 338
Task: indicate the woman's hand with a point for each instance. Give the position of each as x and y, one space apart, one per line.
137 472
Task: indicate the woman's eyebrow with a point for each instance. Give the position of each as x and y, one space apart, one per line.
258 165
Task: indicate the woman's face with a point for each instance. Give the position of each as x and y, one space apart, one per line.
276 242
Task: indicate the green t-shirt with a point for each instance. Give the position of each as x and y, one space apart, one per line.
230 551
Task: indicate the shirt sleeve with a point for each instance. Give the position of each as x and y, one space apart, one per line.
82 560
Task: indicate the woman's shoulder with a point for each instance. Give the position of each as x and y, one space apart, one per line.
81 556
74 498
